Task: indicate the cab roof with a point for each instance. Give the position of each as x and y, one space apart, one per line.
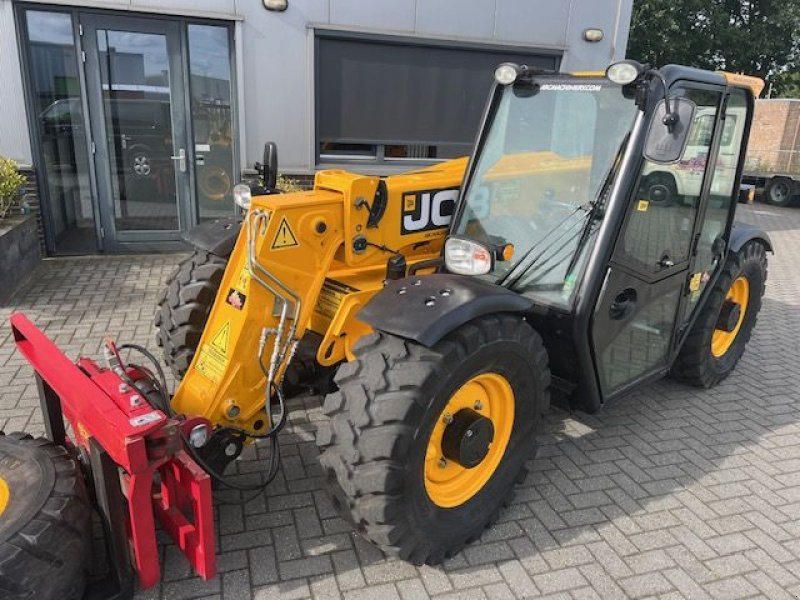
676 72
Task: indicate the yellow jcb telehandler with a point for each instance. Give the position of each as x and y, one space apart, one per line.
587 247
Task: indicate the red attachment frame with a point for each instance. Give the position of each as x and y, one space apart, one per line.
105 411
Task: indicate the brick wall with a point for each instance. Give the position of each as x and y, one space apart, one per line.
30 194
775 136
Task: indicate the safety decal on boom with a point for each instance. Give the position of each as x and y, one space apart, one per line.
212 360
284 238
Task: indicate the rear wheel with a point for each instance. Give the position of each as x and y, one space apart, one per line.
45 521
424 445
661 188
723 328
779 191
184 306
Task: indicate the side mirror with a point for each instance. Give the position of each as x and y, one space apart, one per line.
269 166
669 130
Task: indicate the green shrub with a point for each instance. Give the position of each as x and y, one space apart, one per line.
11 180
288 185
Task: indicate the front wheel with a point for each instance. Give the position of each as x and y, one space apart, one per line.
723 327
423 446
184 306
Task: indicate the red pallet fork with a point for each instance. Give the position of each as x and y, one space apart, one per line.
126 442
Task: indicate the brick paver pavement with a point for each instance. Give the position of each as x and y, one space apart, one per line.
671 492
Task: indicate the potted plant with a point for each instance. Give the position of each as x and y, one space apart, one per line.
11 180
19 242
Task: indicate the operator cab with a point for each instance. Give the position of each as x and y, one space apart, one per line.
608 201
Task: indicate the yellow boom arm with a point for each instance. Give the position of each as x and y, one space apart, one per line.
307 262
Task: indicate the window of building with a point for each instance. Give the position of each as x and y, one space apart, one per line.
56 110
391 100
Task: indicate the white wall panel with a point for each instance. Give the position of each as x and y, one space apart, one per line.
456 18
532 22
596 14
14 139
278 68
397 15
188 6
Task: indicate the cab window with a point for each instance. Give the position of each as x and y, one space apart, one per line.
658 230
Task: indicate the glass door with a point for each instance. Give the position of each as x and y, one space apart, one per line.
638 310
135 83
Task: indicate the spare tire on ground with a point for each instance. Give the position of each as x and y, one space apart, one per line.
45 521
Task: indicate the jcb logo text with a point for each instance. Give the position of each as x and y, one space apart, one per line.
431 209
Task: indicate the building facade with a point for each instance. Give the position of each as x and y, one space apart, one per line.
138 116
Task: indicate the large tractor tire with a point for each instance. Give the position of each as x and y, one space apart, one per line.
723 328
184 306
423 446
45 521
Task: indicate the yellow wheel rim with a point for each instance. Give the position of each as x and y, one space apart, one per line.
5 495
721 341
447 483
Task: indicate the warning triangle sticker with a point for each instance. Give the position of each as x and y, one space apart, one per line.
220 340
284 238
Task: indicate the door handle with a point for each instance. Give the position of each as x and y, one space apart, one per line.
623 304
181 158
666 262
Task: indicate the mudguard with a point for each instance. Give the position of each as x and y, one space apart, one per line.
427 308
741 233
217 236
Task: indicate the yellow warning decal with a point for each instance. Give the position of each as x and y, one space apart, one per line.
220 341
212 360
643 206
331 296
410 201
695 281
284 238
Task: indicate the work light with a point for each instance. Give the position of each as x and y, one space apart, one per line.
242 196
506 73
624 72
463 256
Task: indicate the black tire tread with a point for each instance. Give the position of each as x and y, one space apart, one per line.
48 557
693 364
771 184
372 420
184 306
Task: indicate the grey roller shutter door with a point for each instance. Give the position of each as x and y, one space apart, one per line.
377 92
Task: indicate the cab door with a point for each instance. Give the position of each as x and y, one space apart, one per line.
641 304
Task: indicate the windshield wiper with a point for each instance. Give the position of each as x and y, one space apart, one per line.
521 263
599 202
592 215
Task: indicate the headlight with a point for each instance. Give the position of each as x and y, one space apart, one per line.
506 73
467 257
624 72
242 196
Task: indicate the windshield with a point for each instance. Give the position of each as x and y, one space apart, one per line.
550 150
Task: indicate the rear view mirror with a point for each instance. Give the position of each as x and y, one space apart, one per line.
668 133
269 168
